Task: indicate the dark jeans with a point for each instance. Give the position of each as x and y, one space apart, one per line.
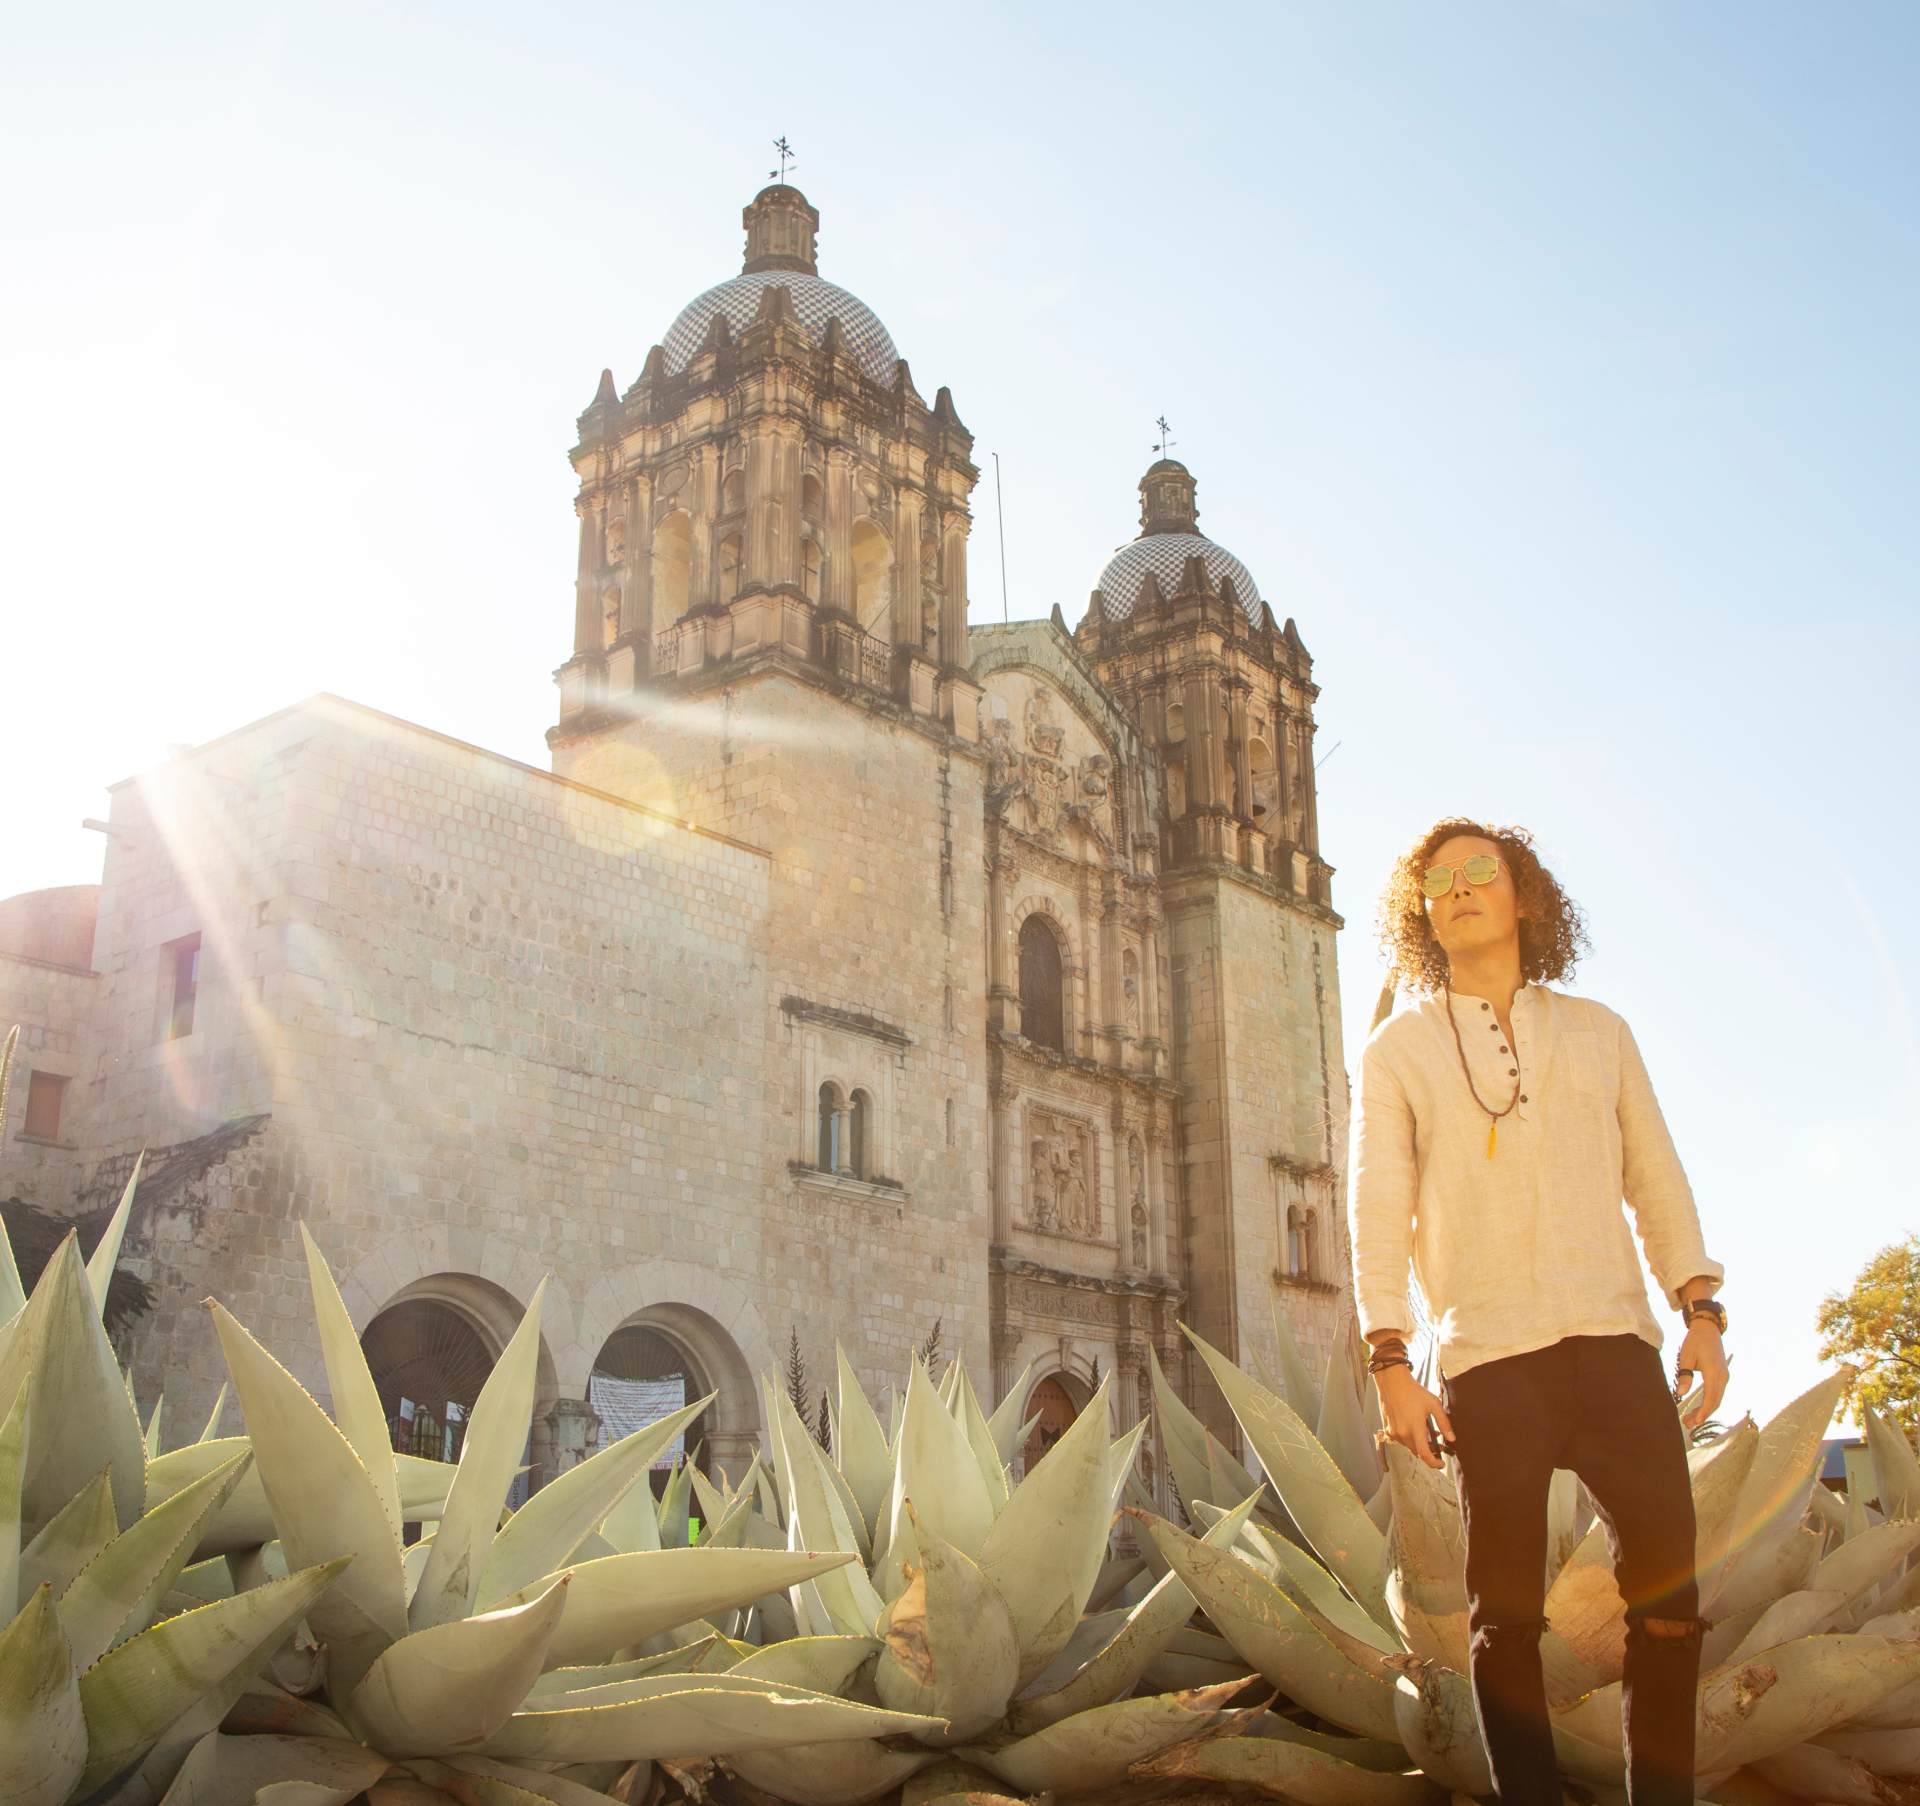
1599 1405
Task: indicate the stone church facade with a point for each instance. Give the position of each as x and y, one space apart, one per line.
853 969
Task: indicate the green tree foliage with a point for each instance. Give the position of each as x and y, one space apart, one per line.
1875 1327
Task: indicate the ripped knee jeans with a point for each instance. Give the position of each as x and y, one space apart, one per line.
1599 1406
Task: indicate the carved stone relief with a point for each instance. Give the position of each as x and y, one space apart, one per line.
1137 1199
1063 1196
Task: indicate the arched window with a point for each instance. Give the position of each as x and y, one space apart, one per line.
872 579
812 501
1296 1242
810 570
609 617
832 1137
860 1136
672 569
1260 768
729 567
1042 1006
1176 724
733 492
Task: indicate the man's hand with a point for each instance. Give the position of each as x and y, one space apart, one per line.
1702 1354
1405 1406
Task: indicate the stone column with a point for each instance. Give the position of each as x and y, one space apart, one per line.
906 567
1156 1204
1242 765
1309 800
762 478
789 461
636 601
572 1429
703 506
1003 1004
1114 998
953 590
1200 785
1006 1347
586 602
836 584
1006 1159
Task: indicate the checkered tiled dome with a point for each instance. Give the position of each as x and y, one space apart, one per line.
814 303
1166 555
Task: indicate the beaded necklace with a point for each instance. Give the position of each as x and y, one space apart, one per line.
1493 1127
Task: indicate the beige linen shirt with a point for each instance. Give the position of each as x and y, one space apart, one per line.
1515 1252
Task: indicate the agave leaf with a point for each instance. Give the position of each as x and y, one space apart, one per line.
934 1466
709 1655
1045 1550
1897 1709
1861 1563
632 1526
1799 1614
356 1401
1329 1512
1782 1475
13 1458
74 1537
1095 1749
830 1774
625 1599
76 1397
950 1650
1118 1663
118 1591
1280 1638
489 1458
1297 1386
1427 1540
1718 1485
151 1440
860 1445
709 1500
1782 1562
1342 1425
43 1738
449 1687
1284 1770
862 1531
546 1531
1765 1703
153 1682
1886 1752
817 1519
1006 1420
1313 1589
213 1417
820 1664
491 1783
323 1502
972 1419
1121 1456
1588 1616
1812 1772
1435 1718
220 1771
107 1253
674 1507
1895 1466
1203 1470
690 1716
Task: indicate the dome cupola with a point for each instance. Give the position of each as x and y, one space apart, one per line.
1169 538
782 226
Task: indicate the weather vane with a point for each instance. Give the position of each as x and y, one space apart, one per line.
786 157
1164 440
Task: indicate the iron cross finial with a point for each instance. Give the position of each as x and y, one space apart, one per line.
786 157
1166 439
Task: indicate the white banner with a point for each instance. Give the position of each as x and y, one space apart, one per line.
624 1406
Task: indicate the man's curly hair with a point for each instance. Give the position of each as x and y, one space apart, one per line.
1553 933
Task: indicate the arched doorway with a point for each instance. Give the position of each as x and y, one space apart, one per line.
1054 1405
428 1364
640 1374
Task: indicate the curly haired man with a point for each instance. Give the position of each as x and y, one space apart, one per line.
1498 1126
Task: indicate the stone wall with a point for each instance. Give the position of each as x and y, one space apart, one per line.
53 1008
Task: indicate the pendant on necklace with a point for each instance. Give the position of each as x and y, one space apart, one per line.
1493 1129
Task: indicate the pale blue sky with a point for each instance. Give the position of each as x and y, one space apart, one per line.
1553 365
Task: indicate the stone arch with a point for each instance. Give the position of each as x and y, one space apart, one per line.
707 1315
672 567
871 556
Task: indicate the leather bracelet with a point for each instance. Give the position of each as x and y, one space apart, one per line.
1393 1361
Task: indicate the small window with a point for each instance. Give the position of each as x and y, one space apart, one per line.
832 1147
1296 1243
859 1133
45 1091
1309 1245
185 958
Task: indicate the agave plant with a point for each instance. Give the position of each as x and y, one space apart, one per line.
1811 1665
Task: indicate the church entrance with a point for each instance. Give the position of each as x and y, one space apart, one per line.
428 1364
641 1374
1051 1402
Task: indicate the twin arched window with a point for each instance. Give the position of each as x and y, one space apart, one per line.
1303 1231
1042 995
845 1133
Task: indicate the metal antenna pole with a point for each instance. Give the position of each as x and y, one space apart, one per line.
1000 509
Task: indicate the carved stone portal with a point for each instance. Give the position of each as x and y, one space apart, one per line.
1063 1196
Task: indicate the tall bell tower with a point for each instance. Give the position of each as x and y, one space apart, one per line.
1178 630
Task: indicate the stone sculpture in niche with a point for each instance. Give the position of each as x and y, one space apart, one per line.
1061 1196
616 539
1137 1192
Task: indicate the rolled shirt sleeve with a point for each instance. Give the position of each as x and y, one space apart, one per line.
1655 1184
1382 1184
